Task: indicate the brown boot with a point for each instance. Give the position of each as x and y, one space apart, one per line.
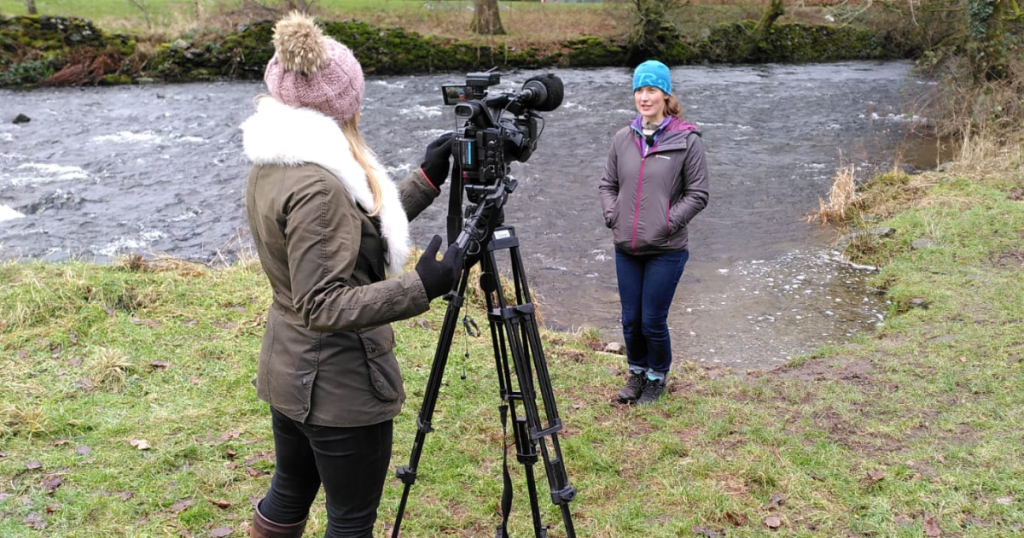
264 528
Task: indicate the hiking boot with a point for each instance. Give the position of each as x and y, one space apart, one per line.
634 386
264 528
653 389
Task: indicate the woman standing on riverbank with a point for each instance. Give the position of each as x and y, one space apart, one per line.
655 181
329 227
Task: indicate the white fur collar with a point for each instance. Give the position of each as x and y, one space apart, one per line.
282 135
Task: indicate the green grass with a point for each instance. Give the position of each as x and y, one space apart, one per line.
182 13
126 9
526 23
920 420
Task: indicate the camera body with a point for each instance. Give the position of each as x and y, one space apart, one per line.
495 130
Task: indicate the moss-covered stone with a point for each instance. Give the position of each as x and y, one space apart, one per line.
795 43
592 52
248 50
51 33
115 79
37 47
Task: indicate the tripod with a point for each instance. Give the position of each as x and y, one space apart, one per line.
519 359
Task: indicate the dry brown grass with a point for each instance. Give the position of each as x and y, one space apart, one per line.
989 157
841 198
109 369
167 264
160 263
85 66
26 419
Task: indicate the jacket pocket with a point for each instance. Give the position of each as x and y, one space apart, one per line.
266 356
613 221
385 377
670 230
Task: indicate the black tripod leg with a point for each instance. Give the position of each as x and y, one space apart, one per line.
526 449
516 326
527 455
407 474
554 465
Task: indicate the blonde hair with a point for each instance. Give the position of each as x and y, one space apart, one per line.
362 152
672 106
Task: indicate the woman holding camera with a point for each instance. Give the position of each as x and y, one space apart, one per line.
655 181
332 235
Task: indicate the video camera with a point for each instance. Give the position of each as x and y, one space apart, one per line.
500 128
493 130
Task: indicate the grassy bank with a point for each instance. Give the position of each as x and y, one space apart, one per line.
527 23
127 408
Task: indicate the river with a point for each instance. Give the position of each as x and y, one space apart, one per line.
102 171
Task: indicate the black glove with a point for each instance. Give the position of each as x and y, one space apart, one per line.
439 276
437 159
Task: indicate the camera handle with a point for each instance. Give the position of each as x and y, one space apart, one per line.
522 374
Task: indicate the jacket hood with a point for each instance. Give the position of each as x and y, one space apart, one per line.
282 135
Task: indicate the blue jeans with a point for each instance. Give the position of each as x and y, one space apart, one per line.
352 463
646 287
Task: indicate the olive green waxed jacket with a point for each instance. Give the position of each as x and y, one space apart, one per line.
327 355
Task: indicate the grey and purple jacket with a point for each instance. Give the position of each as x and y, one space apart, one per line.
650 192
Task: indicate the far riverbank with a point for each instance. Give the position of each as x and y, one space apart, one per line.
68 51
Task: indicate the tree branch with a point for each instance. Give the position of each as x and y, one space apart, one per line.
141 5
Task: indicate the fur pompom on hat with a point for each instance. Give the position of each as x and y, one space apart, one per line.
311 70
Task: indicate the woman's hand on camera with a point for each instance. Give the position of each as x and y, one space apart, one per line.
439 276
437 159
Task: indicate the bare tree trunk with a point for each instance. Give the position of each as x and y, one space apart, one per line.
198 9
651 29
486 18
771 13
30 5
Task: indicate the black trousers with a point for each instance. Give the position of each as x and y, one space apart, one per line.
351 463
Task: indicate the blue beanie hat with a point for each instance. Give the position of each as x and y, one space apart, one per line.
652 73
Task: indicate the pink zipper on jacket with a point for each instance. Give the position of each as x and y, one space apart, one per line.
639 188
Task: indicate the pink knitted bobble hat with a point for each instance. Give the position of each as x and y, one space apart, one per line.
312 70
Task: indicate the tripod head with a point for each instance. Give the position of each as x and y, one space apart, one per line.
481 218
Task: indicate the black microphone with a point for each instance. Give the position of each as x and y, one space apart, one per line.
542 92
